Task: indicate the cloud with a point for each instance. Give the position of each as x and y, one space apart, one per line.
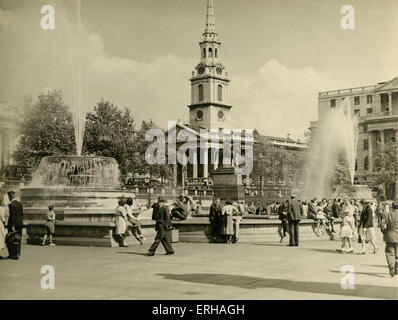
276 100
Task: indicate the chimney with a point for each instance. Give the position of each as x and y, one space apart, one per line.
288 135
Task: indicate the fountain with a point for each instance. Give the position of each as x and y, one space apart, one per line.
337 136
83 189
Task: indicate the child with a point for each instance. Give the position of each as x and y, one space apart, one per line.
348 229
50 226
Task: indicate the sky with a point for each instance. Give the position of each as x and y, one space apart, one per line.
140 54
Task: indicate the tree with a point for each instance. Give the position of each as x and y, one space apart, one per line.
385 164
272 162
46 129
163 171
109 133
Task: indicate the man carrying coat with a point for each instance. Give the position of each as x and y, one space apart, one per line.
294 217
161 214
15 222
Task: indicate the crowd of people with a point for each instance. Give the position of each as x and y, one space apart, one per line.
357 219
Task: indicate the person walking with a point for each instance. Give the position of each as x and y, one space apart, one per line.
294 217
50 226
215 218
367 230
161 214
15 223
389 228
121 223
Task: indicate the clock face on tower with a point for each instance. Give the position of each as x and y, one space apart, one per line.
201 70
199 115
220 115
219 70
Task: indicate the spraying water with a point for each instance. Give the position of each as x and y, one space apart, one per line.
337 135
79 104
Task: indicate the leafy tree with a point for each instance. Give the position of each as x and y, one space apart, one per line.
109 133
272 162
385 164
46 129
163 171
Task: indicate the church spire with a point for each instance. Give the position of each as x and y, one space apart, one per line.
210 22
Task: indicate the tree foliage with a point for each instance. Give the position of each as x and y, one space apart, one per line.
385 163
46 129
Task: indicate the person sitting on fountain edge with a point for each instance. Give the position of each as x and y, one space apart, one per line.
180 210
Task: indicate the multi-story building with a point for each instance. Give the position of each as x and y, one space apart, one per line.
377 107
8 132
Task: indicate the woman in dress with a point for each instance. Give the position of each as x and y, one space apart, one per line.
121 223
3 222
348 229
320 218
228 223
133 221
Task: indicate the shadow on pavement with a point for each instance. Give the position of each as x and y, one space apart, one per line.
247 282
137 253
379 275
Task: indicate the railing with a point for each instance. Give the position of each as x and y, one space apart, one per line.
347 91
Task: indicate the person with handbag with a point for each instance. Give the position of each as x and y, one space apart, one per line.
50 226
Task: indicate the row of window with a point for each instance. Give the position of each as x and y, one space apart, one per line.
210 54
357 100
219 92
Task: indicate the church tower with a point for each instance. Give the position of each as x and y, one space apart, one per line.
209 106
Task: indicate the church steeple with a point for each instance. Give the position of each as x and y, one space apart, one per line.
209 106
210 22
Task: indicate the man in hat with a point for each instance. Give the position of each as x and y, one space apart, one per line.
163 225
294 217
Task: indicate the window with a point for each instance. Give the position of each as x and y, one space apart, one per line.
219 92
204 53
357 100
215 53
366 144
357 111
366 164
200 92
369 110
210 52
332 103
369 98
356 165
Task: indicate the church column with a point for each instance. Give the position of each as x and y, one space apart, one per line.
195 164
205 162
382 137
370 156
390 102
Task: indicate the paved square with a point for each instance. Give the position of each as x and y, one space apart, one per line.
198 271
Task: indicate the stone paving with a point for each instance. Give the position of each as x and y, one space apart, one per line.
198 271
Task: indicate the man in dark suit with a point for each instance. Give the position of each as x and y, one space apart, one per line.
15 221
163 225
294 217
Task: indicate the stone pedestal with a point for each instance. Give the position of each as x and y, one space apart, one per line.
228 185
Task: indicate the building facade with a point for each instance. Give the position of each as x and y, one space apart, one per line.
377 108
8 133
